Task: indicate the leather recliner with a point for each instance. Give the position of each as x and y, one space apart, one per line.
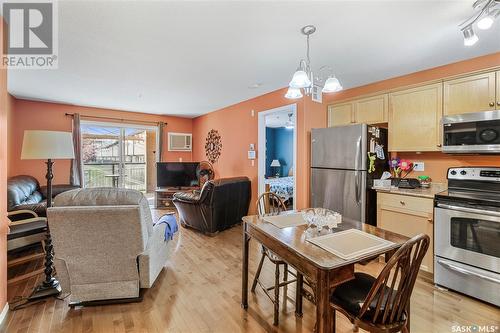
24 193
219 205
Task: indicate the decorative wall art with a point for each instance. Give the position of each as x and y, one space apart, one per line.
213 146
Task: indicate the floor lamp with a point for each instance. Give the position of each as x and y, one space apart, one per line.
47 145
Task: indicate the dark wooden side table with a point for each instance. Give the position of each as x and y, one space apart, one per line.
164 196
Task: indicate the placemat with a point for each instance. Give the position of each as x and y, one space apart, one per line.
286 220
352 243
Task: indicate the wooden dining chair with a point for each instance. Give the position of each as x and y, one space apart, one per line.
270 203
382 304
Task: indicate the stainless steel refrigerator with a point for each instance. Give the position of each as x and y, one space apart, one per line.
340 177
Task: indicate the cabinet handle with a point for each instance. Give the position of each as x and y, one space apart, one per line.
492 103
402 203
439 145
498 103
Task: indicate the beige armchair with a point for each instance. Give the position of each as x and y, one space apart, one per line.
105 244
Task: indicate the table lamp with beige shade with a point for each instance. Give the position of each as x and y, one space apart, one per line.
47 145
276 164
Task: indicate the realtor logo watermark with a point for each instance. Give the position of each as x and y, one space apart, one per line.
31 36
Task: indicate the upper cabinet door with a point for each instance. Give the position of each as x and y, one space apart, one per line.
340 114
414 116
470 94
371 110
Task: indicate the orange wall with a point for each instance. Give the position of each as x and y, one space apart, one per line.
436 164
5 115
30 115
238 128
436 73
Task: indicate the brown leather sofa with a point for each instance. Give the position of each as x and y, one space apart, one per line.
219 205
25 193
27 210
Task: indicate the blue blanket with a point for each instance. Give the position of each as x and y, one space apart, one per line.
171 225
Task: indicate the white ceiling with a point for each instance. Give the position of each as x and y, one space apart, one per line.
190 58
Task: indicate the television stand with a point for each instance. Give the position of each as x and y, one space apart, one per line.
164 195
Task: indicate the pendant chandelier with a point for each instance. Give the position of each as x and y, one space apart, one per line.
303 77
486 13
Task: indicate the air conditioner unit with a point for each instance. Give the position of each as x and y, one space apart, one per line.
179 141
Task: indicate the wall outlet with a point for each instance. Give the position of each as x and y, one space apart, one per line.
180 159
418 166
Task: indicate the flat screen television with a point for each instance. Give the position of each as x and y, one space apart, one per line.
176 174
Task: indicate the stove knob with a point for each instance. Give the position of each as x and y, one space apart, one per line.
453 172
463 172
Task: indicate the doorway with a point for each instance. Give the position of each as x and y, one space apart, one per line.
118 155
277 144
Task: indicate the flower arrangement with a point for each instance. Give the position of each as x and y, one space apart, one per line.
397 166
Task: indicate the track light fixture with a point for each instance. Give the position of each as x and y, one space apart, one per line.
470 37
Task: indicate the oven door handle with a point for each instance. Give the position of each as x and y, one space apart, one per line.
467 272
470 210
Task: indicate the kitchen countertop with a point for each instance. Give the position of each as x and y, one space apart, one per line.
422 192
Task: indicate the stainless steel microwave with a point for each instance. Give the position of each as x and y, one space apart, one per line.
467 133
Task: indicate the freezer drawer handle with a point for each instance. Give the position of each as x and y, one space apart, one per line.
466 272
470 210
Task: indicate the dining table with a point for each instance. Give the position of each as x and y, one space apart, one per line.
322 269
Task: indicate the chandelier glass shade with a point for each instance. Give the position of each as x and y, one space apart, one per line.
332 85
300 80
304 79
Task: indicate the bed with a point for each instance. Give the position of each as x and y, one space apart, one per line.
282 187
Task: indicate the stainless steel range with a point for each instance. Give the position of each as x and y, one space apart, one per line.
467 233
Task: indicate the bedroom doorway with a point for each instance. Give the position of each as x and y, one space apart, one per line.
277 146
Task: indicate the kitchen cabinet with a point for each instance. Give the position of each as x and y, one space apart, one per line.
471 93
371 110
340 114
368 110
408 216
414 116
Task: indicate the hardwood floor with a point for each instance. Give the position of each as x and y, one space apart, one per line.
199 291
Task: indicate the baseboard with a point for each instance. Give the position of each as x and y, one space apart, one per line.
5 310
